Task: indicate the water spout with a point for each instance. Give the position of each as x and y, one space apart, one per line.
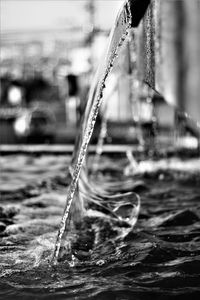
130 14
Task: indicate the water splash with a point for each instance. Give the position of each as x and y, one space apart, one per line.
117 37
117 199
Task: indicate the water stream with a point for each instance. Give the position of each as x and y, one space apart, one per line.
117 36
101 138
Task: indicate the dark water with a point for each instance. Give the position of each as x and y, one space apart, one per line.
158 259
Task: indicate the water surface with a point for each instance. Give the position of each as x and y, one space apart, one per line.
158 259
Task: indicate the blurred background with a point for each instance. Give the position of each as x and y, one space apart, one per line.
49 51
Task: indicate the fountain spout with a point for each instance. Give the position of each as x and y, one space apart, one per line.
138 9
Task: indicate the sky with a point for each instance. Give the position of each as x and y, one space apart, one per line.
43 14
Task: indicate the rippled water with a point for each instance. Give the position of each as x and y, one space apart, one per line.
158 259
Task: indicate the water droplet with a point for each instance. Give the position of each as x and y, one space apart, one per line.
100 262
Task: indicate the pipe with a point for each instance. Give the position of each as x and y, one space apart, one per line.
138 9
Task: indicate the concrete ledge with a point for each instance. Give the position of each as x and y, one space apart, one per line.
59 149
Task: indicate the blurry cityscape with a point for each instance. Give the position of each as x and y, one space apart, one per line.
45 72
47 69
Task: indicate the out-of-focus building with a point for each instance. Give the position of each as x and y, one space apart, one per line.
25 52
40 65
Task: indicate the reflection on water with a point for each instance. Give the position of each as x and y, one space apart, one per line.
158 258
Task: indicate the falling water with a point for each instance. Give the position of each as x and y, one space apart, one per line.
101 138
117 37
